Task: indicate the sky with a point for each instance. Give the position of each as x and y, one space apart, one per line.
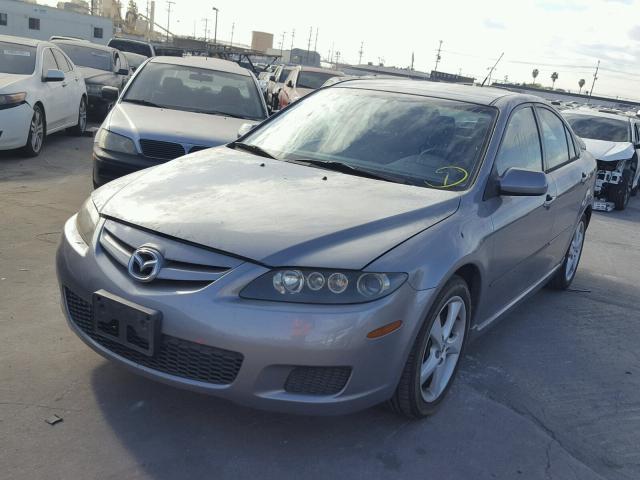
563 36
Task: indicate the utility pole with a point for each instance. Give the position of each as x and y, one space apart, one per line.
233 27
438 57
293 35
169 3
282 44
360 53
215 31
309 44
206 28
491 71
595 77
315 45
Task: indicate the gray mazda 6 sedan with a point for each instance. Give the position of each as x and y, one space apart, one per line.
339 255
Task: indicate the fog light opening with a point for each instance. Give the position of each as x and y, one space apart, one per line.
385 330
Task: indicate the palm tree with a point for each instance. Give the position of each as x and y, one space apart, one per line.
581 84
534 74
554 77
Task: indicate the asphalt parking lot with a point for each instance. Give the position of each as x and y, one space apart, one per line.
553 391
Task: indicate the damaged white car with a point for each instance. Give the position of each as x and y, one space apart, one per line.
614 140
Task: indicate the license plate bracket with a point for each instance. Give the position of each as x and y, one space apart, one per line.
126 323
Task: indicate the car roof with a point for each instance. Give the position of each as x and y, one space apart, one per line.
129 40
208 63
86 44
337 73
598 113
30 42
453 91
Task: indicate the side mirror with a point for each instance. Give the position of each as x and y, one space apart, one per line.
244 129
53 76
123 71
522 183
110 94
290 84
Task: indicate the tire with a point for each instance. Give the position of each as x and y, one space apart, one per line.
414 397
567 272
634 169
79 129
620 196
37 133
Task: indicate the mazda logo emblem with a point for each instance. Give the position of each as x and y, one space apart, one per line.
145 264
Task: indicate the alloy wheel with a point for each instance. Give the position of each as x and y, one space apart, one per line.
82 119
575 250
37 130
442 350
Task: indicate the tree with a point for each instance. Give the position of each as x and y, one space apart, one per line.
534 74
554 77
581 84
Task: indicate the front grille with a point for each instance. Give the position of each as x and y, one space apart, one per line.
161 150
317 380
174 356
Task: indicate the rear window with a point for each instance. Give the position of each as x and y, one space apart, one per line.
17 59
599 128
133 47
313 80
87 56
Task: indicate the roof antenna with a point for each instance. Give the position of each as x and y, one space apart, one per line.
492 69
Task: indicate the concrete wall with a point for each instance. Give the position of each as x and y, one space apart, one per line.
52 22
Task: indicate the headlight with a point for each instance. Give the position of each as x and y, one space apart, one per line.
94 89
87 220
12 99
304 285
116 143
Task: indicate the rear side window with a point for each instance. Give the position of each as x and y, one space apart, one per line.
48 62
572 147
554 139
61 61
521 144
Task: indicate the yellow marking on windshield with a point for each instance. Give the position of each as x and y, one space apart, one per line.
447 172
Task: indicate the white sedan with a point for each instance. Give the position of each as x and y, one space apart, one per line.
41 92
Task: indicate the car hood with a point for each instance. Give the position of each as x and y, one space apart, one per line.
274 212
609 151
7 80
102 77
186 128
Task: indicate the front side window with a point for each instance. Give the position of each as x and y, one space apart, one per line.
34 24
599 128
554 139
313 80
412 139
17 59
3 19
520 146
198 90
88 57
48 61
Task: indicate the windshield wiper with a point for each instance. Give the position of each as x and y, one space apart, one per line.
256 150
215 112
137 101
350 169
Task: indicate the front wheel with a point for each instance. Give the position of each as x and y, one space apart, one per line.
434 358
35 139
622 193
565 275
81 126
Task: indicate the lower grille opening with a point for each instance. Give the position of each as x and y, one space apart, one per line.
317 380
174 356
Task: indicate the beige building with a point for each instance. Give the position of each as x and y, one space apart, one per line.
261 41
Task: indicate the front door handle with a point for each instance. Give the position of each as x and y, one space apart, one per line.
549 200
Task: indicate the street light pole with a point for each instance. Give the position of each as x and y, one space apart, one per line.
215 30
169 3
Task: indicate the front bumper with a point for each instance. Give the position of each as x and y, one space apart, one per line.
14 126
108 166
274 339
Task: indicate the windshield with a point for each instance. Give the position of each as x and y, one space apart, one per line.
313 80
284 74
87 56
197 90
599 128
424 141
133 47
17 59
